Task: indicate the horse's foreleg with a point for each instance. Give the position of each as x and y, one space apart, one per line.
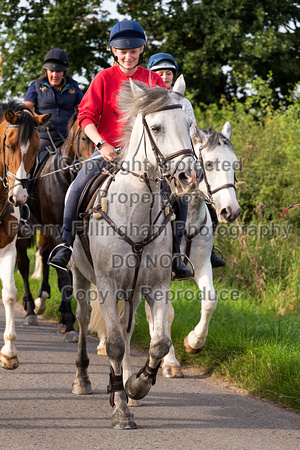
67 317
138 385
82 384
23 266
8 354
170 366
122 417
45 291
195 340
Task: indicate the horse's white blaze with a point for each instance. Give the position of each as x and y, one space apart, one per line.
19 193
24 149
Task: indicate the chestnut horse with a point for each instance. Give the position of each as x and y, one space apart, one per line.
47 206
20 141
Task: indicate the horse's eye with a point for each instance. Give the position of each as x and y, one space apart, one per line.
209 165
156 129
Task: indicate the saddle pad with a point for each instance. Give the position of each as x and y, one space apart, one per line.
90 189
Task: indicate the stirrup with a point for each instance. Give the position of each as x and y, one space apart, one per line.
174 278
25 230
216 248
63 244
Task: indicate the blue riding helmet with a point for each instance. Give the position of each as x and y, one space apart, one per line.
162 61
127 34
56 59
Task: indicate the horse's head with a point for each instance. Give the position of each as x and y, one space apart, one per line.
219 163
159 133
77 147
19 140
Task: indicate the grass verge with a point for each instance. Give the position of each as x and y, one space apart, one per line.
249 345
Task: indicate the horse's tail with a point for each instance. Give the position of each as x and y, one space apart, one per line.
97 324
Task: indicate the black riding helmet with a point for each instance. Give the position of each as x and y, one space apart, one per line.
127 34
56 59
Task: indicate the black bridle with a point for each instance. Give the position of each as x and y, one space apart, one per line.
210 191
22 181
162 161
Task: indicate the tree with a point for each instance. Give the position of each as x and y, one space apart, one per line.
220 44
28 32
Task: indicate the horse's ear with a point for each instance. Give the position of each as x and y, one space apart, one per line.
198 135
137 91
179 86
226 130
42 119
11 117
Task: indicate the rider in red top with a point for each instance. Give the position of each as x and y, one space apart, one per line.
101 100
99 118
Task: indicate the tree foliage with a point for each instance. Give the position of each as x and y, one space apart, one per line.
249 37
218 44
29 30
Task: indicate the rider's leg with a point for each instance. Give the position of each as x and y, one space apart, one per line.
180 270
90 168
216 261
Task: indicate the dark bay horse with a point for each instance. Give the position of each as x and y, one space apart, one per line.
46 207
19 140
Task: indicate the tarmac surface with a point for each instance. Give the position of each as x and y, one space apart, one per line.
38 410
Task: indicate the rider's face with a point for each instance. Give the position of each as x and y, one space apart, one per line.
128 58
167 76
55 77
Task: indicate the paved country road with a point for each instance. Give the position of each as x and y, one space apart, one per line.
38 410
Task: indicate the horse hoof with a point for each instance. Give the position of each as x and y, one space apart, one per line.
189 349
61 328
31 320
9 363
136 388
41 304
71 336
101 351
172 372
134 403
123 423
81 389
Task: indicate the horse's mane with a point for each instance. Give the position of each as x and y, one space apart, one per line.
72 120
214 138
25 122
130 105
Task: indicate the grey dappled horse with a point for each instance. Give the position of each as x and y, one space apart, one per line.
216 155
135 228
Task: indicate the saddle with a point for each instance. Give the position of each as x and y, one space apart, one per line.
86 202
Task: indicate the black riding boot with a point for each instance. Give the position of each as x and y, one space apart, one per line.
180 270
215 260
63 255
